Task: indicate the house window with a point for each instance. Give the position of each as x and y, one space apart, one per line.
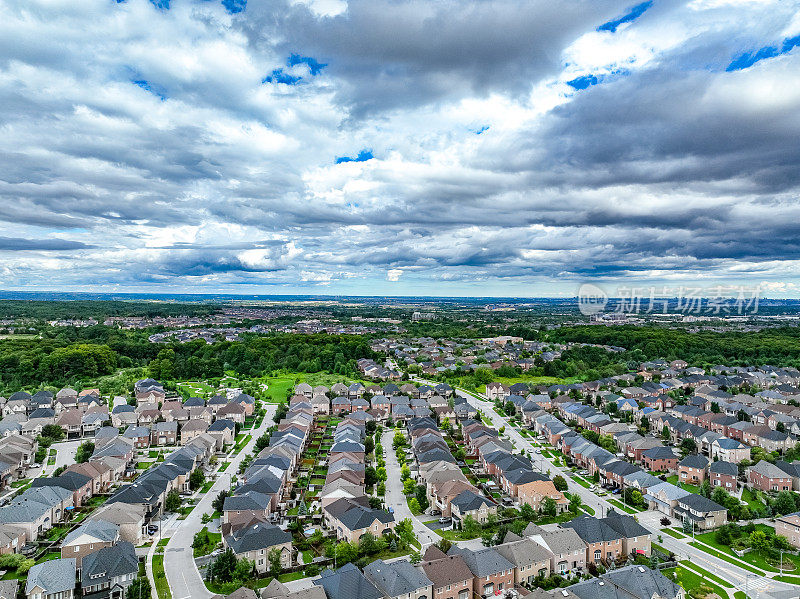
597 554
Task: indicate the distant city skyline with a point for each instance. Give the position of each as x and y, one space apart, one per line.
503 148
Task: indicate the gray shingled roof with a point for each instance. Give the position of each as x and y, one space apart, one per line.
54 576
397 578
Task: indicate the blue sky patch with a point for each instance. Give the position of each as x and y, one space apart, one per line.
748 59
633 14
234 6
147 86
279 76
363 156
313 64
482 129
160 4
583 81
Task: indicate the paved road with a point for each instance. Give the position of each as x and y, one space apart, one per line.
182 573
756 586
395 498
65 453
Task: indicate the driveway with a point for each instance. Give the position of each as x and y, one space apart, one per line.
183 576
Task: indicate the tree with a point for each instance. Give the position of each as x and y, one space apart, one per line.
84 452
223 567
560 483
139 589
244 569
549 506
381 473
414 506
53 431
399 440
197 479
444 545
219 501
369 445
527 512
688 446
173 501
274 557
665 434
759 541
408 486
370 476
470 526
784 503
422 497
405 473
575 503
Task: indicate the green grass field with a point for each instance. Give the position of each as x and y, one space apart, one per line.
162 586
692 582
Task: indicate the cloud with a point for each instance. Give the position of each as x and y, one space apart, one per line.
520 150
16 244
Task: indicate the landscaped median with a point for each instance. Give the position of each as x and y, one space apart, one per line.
726 557
673 533
692 581
623 507
159 576
753 558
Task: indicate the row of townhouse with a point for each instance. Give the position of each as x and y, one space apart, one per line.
614 470
250 512
150 489
712 444
448 489
464 573
345 505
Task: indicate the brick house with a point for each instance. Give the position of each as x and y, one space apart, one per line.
724 474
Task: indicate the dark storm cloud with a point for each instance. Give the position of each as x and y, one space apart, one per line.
391 54
16 244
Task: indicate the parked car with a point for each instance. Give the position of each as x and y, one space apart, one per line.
435 512
152 529
445 520
616 491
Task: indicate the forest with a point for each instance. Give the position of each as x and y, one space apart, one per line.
83 309
774 346
72 356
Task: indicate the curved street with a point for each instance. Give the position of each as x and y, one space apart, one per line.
743 580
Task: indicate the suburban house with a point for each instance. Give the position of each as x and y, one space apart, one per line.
450 575
54 579
88 538
107 573
692 469
768 477
399 580
724 474
347 581
530 559
256 542
702 512
789 527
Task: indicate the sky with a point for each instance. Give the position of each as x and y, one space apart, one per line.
399 147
